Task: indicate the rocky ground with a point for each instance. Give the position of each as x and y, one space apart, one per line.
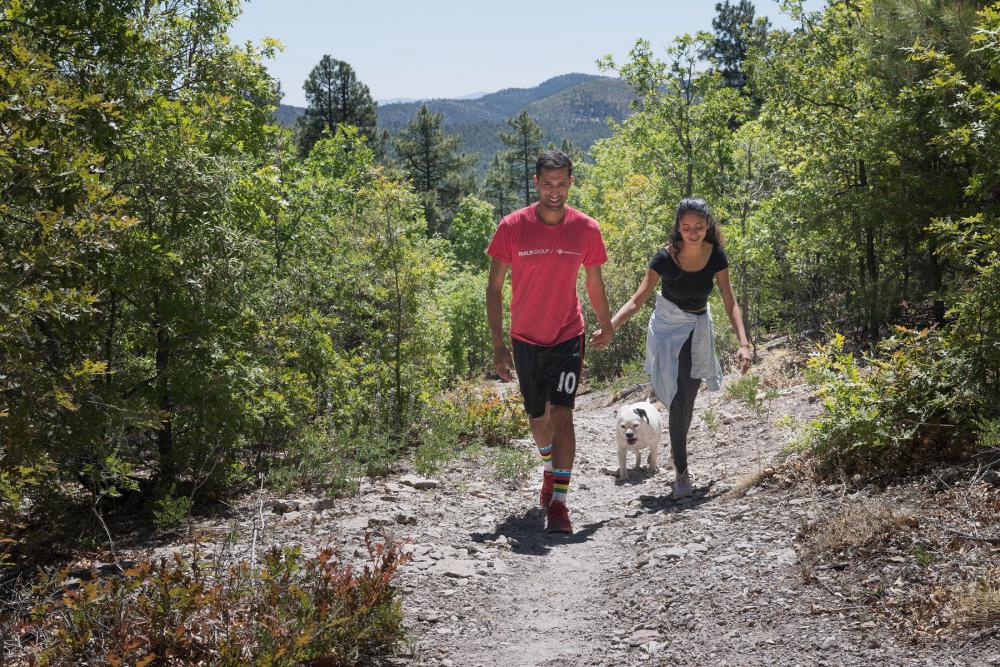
724 578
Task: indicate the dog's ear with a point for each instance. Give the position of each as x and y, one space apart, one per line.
642 414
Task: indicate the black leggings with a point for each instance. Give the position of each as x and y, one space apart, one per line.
682 408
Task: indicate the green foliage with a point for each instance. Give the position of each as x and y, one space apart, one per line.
190 304
736 33
711 420
500 185
468 419
749 390
988 433
471 231
171 510
922 555
289 611
469 347
524 143
335 97
438 171
513 462
486 418
914 408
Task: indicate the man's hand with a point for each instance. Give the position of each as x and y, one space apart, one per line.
503 362
743 354
600 339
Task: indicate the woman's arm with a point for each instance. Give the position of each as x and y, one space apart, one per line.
735 317
632 306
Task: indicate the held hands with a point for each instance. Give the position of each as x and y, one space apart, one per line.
743 354
600 339
503 362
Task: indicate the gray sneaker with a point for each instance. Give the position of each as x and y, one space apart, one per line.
682 487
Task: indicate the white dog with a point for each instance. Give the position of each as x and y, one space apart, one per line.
638 429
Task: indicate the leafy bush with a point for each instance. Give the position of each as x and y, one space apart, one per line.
915 407
466 418
513 462
170 509
749 390
289 611
489 419
469 349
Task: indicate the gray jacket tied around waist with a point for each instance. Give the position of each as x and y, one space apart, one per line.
669 328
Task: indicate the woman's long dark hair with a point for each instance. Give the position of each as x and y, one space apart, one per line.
698 206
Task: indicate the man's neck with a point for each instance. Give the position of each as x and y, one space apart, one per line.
550 217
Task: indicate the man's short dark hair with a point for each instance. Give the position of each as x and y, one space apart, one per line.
553 159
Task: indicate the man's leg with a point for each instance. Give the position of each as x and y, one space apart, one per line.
565 367
541 432
530 365
563 449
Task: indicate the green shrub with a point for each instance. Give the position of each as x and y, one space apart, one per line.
489 419
466 418
469 348
316 458
749 390
710 418
169 509
513 462
911 408
288 611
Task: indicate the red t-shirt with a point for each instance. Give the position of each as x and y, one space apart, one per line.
545 262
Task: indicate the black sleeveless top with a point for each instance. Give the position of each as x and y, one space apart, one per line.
689 290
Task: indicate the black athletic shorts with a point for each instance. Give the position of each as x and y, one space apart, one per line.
548 374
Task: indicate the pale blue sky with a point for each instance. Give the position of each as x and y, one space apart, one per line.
449 48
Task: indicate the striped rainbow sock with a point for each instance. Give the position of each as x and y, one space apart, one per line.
546 453
560 484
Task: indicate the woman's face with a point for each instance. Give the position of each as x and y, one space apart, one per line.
693 228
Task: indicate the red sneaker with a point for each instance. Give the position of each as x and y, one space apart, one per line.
557 519
545 495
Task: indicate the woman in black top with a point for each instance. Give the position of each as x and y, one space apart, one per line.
684 268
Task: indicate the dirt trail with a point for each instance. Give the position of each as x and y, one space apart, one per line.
715 580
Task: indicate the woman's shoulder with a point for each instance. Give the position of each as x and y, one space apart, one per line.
660 260
718 259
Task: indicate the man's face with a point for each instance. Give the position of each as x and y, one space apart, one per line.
553 186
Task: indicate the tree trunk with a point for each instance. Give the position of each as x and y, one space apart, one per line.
165 433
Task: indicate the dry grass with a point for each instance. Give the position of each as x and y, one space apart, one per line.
857 527
751 480
981 606
861 526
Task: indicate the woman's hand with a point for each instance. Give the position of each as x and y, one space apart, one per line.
599 340
743 354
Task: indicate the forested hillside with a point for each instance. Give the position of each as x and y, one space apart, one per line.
572 106
198 307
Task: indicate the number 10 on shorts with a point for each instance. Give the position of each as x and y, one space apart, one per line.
567 382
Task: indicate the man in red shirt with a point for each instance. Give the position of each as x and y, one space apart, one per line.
545 245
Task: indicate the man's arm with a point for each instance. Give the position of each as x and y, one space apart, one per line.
502 359
599 302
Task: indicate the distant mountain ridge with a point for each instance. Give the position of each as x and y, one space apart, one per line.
571 106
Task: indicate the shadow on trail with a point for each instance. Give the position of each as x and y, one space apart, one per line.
699 496
635 476
526 534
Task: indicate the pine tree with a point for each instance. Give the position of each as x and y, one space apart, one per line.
438 171
500 186
736 31
334 95
524 144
